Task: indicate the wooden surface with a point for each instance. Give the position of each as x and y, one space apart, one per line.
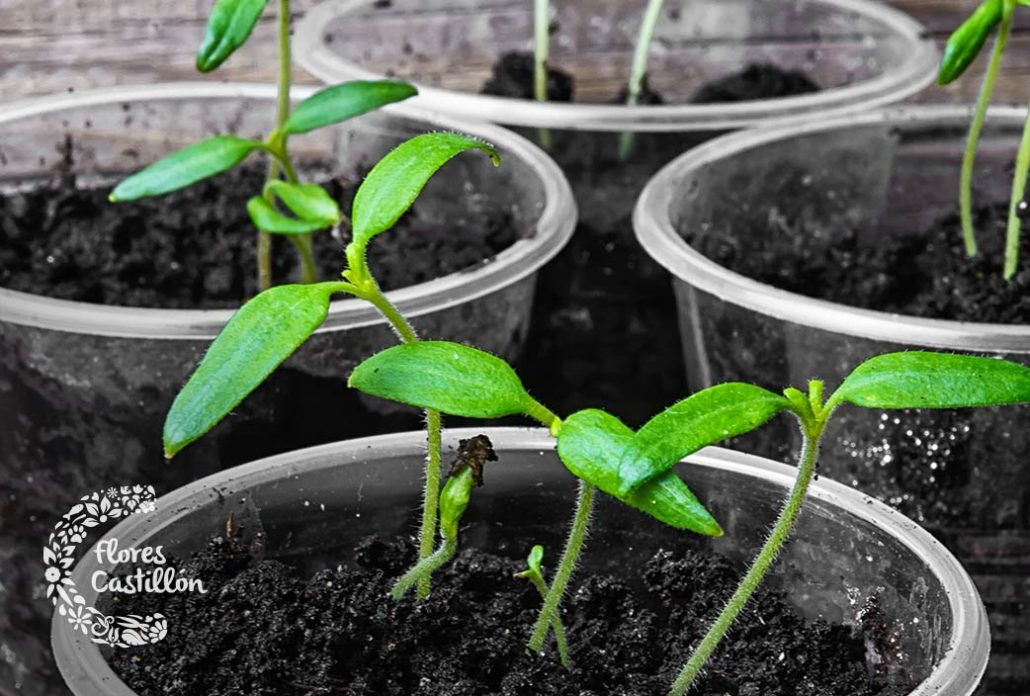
53 45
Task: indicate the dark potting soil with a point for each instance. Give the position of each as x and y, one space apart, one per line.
264 628
604 327
926 274
196 248
756 81
513 76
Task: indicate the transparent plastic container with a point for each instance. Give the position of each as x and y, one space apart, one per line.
603 301
961 474
84 388
314 504
863 53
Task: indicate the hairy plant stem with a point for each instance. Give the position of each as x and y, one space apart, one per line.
556 622
965 194
812 433
570 557
541 54
639 67
371 292
424 568
1016 200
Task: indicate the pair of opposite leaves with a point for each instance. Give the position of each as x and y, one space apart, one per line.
636 467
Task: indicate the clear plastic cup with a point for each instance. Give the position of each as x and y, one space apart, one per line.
961 474
603 303
313 505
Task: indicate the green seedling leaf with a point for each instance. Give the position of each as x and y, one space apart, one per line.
267 218
591 444
260 336
344 101
397 179
934 380
702 419
307 201
454 500
535 560
965 43
448 377
187 166
228 27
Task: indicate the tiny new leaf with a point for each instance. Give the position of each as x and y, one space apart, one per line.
187 166
591 444
454 500
535 560
307 201
267 218
709 416
918 379
260 336
396 180
965 43
444 376
344 101
228 27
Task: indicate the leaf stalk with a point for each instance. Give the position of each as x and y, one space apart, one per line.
976 127
549 611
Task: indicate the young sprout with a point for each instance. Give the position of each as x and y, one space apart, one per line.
541 54
638 72
463 381
535 575
466 472
310 207
961 50
271 326
637 468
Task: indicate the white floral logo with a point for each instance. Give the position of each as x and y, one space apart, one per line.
59 556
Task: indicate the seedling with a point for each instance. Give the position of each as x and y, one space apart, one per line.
639 70
465 473
637 468
961 50
541 54
535 574
308 207
271 326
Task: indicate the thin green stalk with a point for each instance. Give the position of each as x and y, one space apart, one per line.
781 531
430 495
541 54
264 254
643 48
569 559
1018 192
973 138
546 416
434 428
639 67
556 622
425 568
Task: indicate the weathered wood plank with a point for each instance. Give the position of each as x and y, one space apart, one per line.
53 45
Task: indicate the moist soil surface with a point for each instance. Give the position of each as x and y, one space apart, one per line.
932 278
604 329
264 628
196 248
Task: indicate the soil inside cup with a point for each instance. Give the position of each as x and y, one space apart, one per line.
604 326
926 275
266 628
196 248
